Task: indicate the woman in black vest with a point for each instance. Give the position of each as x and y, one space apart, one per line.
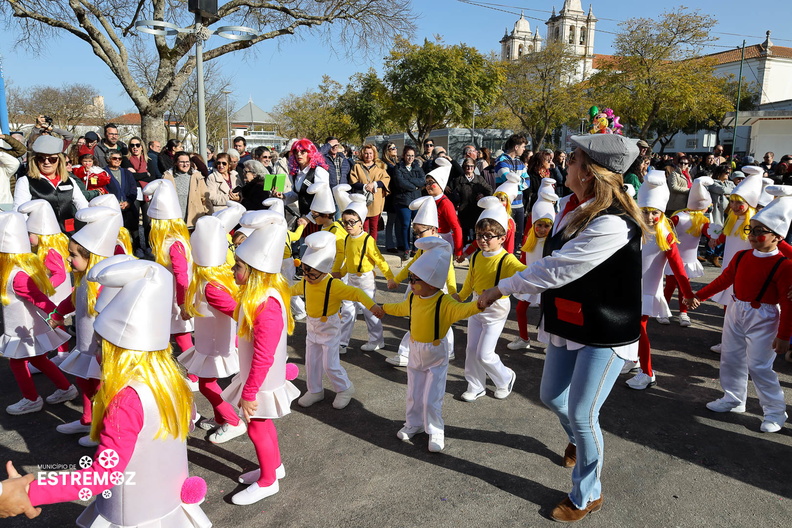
590 282
49 180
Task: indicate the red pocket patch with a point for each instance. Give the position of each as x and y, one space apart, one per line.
68 225
569 311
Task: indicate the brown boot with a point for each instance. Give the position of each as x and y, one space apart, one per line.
567 512
716 261
570 456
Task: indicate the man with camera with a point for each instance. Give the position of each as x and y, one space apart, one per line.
44 126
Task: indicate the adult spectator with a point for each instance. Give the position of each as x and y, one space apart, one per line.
110 143
371 178
240 145
485 166
539 167
406 185
167 157
220 184
390 156
706 167
679 183
140 163
44 127
643 147
469 189
49 180
456 169
769 165
560 161
470 152
635 174
306 167
264 156
124 186
252 193
508 162
190 183
154 148
10 151
717 152
590 283
784 169
233 163
338 165
428 147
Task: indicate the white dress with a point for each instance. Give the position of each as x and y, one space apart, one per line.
734 244
530 258
82 361
178 325
653 261
688 248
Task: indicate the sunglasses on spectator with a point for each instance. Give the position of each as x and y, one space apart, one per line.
467 166
221 163
135 145
47 159
114 158
266 157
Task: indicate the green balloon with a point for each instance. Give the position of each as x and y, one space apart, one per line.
593 111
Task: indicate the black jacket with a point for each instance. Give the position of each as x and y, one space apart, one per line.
407 183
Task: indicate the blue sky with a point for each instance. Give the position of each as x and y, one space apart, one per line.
271 73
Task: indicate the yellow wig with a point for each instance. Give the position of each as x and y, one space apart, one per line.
30 264
59 242
697 221
164 230
531 238
93 287
221 276
736 224
501 194
252 296
125 239
160 372
662 229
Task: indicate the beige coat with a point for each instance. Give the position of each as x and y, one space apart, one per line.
219 190
377 173
198 202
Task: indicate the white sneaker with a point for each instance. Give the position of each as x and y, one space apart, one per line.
470 396
371 347
451 356
397 360
502 392
342 349
227 432
519 344
407 432
25 406
252 476
723 405
343 398
74 427
770 426
309 398
255 493
629 366
641 381
300 317
436 442
684 320
86 441
62 395
663 320
716 348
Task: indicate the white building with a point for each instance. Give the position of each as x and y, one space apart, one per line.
257 127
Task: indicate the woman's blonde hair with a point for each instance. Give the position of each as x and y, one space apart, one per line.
164 230
60 169
251 298
30 264
221 276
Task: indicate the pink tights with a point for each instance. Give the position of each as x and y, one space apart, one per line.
522 318
89 388
223 411
265 441
644 348
19 368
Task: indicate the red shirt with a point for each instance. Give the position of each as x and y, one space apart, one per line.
449 222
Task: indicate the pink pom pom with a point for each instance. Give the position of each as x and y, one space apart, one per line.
292 371
193 490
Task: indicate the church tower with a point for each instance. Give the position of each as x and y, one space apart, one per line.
520 42
576 29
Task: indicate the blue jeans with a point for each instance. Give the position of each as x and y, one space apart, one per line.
575 384
403 216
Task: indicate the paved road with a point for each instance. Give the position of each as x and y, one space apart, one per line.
669 461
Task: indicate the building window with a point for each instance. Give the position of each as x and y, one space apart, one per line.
557 33
571 34
582 36
520 51
691 143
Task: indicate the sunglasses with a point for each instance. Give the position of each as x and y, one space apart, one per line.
469 166
428 144
47 159
115 158
266 157
135 145
392 148
221 163
486 237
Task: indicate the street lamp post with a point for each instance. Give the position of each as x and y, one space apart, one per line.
228 119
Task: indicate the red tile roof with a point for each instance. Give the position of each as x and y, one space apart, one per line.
127 119
599 60
751 52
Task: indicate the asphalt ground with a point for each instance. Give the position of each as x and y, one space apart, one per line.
668 460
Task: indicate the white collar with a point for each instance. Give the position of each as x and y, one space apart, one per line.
765 254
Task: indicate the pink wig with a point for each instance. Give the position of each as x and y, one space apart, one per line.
315 158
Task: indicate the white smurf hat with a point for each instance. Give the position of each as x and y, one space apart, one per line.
263 248
230 215
776 216
511 186
779 190
106 200
432 266
139 315
341 195
765 198
321 251
654 192
426 208
750 189
41 219
164 204
13 233
699 198
493 208
208 242
107 293
544 207
357 203
275 205
547 185
99 235
323 198
441 173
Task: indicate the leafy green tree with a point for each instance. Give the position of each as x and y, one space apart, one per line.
365 101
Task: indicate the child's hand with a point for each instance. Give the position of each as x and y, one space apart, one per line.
692 303
183 313
456 297
781 346
336 274
377 311
460 259
248 408
392 285
302 221
488 297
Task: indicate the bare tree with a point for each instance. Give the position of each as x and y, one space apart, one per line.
69 106
108 26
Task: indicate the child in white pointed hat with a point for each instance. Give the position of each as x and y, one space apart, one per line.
487 266
124 237
656 252
170 244
90 246
689 224
142 412
431 314
290 263
542 217
361 256
506 192
323 210
211 302
263 322
449 228
27 336
323 297
424 225
757 325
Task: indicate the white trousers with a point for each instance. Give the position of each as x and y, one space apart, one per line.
481 361
296 304
448 340
321 354
747 348
427 368
349 314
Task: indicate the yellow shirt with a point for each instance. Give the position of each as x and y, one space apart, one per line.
424 314
451 283
484 271
357 262
315 295
340 233
291 237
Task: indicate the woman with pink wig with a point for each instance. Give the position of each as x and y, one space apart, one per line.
306 166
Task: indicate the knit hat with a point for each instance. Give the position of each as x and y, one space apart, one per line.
41 219
230 215
441 173
323 198
46 144
750 188
321 251
107 293
263 248
699 198
275 205
511 186
139 316
99 235
91 136
357 203
544 207
164 204
13 233
777 215
432 266
106 200
765 198
493 208
341 195
208 242
426 208
612 151
654 192
736 174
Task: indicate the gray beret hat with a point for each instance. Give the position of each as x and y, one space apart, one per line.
612 151
47 145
